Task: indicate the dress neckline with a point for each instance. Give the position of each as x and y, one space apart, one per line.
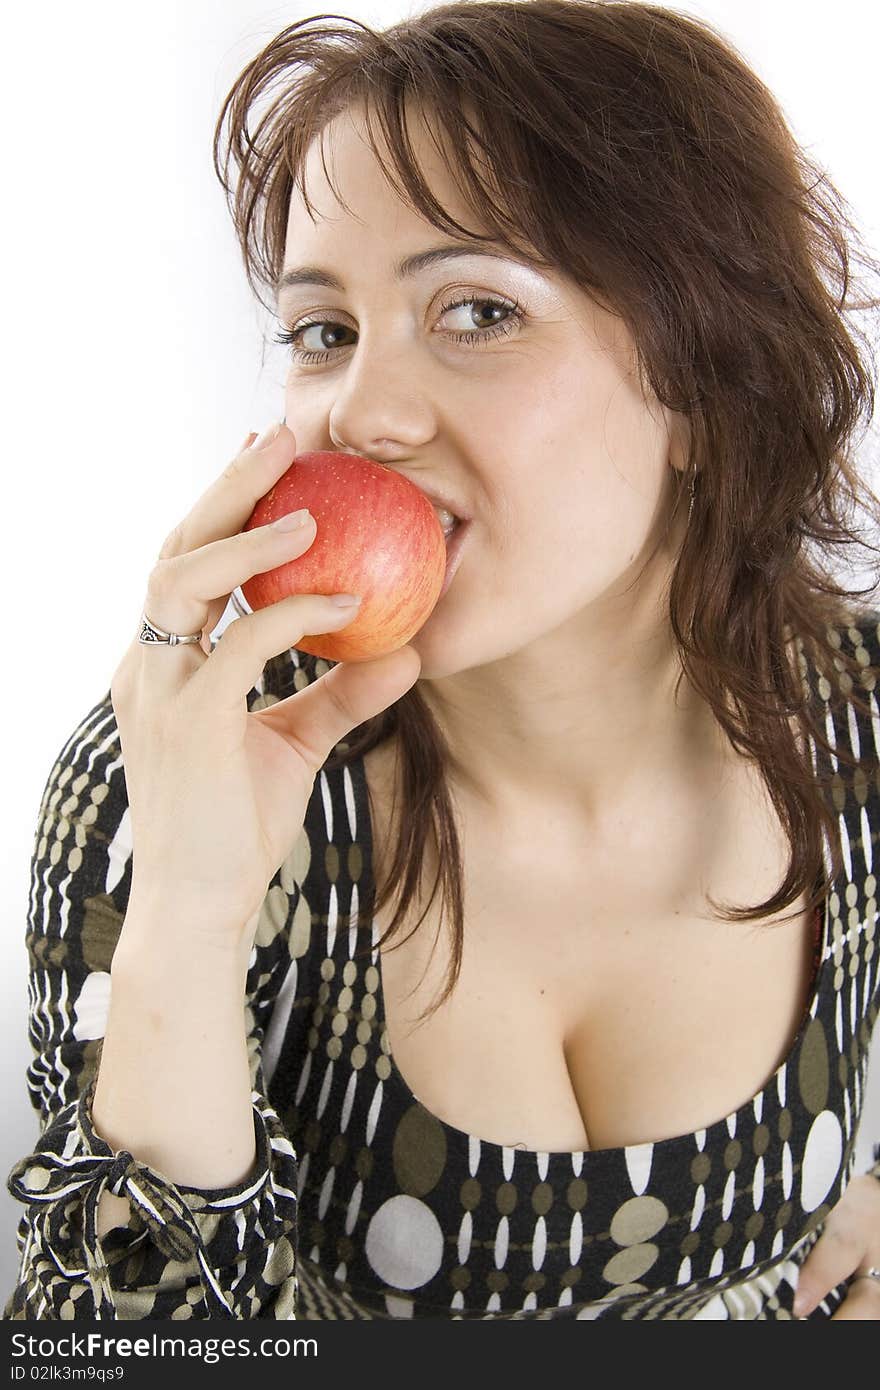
577 1158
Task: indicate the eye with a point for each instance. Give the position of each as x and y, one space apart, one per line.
295 336
486 305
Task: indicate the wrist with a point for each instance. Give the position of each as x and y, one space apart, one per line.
160 938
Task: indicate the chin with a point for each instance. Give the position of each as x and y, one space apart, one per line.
445 646
438 658
461 637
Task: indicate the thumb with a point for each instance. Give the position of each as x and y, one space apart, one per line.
316 718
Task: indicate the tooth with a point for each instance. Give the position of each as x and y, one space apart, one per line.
446 518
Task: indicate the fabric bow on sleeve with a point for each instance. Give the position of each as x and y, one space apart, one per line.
49 1177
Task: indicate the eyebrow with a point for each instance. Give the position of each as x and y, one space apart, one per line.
404 270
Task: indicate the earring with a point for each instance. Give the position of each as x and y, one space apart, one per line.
693 486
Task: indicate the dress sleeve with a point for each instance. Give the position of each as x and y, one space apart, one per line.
864 640
186 1252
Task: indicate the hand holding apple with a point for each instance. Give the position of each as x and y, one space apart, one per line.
377 536
218 791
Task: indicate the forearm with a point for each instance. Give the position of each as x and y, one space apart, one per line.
174 1084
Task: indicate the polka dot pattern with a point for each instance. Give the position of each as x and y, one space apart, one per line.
681 1228
365 1205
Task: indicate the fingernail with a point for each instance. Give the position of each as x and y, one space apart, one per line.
269 433
292 520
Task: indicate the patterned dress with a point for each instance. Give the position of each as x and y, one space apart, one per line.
363 1204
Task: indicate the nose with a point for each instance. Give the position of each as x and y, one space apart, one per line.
381 408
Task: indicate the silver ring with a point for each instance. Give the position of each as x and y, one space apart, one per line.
151 635
866 1274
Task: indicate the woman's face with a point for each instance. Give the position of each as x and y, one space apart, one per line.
531 419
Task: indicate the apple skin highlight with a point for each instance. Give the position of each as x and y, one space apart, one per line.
377 536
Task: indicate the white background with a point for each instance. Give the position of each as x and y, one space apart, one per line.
134 356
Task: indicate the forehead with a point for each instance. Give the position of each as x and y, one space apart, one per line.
346 183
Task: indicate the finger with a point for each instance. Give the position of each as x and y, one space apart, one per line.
226 505
862 1302
835 1256
236 664
315 718
215 612
182 589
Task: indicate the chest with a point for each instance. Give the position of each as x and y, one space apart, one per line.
599 1002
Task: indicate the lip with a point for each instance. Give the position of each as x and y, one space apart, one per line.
453 553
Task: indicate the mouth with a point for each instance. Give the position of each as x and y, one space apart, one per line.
449 522
455 529
455 539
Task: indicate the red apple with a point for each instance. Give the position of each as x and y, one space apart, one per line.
377 536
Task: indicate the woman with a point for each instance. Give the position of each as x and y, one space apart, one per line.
562 266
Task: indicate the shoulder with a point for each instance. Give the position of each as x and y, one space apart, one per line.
858 633
840 663
840 672
87 780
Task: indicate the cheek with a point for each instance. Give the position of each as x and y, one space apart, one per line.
569 508
636 447
601 482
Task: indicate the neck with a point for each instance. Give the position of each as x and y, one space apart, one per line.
580 721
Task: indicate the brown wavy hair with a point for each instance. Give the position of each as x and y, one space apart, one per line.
633 149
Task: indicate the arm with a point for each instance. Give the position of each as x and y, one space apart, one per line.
225 1248
174 1083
